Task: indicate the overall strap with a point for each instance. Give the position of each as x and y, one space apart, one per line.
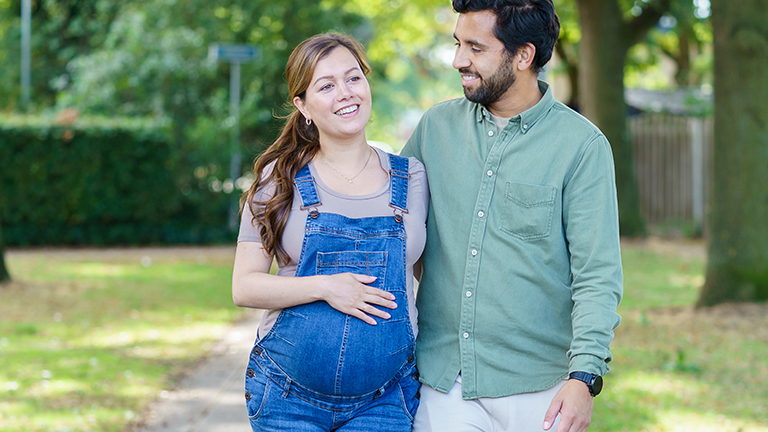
399 177
305 183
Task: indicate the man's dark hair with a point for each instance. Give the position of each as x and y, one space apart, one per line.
519 22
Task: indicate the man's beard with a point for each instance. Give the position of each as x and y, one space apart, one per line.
491 89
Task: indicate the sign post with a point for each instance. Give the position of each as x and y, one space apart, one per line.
234 55
26 31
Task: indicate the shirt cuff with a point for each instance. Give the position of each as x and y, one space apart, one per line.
588 363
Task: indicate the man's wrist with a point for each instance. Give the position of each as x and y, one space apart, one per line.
594 382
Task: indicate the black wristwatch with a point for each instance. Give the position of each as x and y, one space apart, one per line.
594 382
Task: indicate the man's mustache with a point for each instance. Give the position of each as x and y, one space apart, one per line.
469 72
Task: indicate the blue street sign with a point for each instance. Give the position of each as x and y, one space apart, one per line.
232 53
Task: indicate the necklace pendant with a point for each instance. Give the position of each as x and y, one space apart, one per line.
350 181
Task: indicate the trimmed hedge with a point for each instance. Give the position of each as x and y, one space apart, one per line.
100 182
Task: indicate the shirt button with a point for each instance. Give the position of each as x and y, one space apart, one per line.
466 335
469 293
480 214
525 126
474 252
489 173
490 133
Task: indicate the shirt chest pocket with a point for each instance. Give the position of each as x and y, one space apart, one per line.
528 209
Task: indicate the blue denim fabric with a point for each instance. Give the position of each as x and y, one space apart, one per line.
319 359
275 403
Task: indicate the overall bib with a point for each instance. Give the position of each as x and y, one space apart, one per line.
325 357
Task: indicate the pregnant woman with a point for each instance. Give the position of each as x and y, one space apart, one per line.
346 225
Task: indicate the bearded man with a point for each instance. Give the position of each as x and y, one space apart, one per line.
522 268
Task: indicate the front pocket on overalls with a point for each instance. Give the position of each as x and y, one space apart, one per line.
528 209
256 389
358 262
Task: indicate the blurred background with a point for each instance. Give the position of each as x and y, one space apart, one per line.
127 133
119 127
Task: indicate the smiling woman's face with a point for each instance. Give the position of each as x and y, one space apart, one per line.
338 99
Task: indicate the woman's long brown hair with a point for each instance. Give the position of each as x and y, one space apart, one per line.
297 144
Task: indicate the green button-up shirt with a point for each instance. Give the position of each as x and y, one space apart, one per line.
522 267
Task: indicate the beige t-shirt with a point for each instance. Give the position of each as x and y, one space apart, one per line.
352 206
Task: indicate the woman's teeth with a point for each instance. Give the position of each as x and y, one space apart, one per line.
347 110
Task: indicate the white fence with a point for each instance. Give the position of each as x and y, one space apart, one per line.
673 166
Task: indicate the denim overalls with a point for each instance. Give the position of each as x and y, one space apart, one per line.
329 367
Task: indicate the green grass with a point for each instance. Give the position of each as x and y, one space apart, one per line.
88 338
680 369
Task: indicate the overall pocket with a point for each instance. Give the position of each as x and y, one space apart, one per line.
528 210
359 262
256 389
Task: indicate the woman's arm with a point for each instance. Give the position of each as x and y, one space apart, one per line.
254 287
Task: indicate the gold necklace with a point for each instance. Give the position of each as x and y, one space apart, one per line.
349 179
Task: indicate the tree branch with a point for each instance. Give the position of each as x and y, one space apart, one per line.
636 29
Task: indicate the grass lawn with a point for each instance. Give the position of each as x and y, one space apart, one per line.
676 368
89 337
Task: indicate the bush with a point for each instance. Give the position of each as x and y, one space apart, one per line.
101 181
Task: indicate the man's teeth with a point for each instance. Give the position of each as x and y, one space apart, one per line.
347 110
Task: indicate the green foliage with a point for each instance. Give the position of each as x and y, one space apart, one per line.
100 181
62 30
149 58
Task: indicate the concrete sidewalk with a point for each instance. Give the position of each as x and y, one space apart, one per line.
210 398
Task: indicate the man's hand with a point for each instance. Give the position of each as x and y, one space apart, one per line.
574 404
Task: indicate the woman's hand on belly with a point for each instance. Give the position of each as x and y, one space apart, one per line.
349 294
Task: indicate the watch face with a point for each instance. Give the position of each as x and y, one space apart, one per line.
597 386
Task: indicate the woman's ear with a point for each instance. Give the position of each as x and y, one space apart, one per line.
299 104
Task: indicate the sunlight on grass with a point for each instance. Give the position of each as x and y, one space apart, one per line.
94 270
679 369
87 344
87 341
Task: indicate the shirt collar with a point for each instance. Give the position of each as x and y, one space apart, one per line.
528 118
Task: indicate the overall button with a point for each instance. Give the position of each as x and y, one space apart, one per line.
410 359
247 396
256 351
250 373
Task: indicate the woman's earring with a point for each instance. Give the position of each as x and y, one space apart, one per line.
309 122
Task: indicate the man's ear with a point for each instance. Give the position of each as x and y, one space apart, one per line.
299 104
525 54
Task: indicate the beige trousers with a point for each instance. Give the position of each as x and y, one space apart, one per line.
448 412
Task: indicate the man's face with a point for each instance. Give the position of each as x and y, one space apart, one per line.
486 67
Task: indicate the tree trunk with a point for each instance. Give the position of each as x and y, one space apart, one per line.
603 50
572 70
4 275
737 268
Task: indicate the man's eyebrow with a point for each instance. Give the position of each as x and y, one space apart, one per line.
331 76
472 42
